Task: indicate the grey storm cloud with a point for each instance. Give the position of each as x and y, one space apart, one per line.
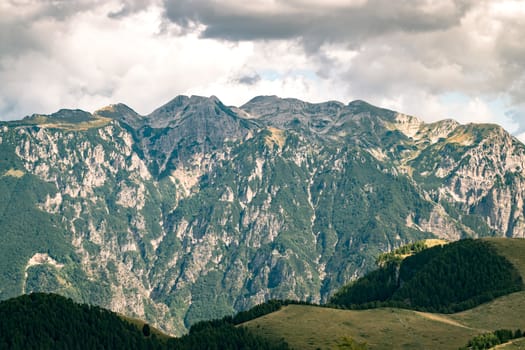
249 79
292 19
399 43
405 45
15 38
412 40
129 7
511 55
17 34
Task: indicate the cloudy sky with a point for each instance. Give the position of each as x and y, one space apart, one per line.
434 59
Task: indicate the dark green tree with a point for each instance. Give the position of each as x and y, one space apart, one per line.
146 330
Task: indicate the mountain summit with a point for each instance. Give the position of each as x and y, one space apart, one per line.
198 209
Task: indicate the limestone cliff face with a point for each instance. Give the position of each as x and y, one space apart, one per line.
199 210
479 170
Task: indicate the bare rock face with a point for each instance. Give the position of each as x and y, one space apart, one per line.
199 210
185 126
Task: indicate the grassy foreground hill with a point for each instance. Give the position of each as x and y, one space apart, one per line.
310 327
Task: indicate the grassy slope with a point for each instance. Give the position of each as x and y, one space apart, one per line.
306 327
504 312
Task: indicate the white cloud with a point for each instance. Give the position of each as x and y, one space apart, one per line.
94 60
406 55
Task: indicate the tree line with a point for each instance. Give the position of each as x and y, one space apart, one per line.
490 340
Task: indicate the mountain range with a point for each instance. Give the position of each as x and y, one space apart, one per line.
199 209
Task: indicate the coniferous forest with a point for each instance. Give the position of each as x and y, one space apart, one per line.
49 321
447 279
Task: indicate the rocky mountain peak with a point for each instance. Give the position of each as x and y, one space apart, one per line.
293 114
362 108
268 106
194 107
188 127
122 113
265 106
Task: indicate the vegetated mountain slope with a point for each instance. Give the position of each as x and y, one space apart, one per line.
49 321
448 278
391 328
199 210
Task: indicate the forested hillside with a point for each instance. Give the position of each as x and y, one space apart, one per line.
447 278
47 321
